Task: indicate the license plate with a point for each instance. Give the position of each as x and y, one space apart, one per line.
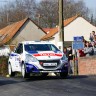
49 64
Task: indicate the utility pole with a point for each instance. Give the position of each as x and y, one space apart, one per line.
61 25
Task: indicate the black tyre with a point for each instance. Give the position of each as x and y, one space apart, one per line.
63 74
23 71
12 74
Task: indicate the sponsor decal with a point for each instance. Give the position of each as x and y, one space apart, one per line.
48 54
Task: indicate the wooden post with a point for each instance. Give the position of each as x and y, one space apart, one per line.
61 25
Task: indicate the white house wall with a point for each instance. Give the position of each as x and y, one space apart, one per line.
28 32
55 40
79 27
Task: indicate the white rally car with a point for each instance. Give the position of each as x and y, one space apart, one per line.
37 57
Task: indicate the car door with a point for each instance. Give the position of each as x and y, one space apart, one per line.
18 52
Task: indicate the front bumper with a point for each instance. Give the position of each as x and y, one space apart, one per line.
30 68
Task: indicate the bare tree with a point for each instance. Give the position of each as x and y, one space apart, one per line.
72 8
47 13
30 8
17 10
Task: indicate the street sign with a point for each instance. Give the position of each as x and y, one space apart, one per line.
77 38
77 45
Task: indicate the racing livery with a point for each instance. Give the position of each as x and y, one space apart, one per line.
37 57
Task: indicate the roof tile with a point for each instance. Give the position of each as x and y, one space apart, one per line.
10 31
7 33
46 29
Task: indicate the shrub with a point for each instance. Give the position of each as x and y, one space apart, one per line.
3 65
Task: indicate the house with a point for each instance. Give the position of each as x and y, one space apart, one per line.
74 26
23 30
47 30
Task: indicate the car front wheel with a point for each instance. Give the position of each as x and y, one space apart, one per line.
23 71
12 74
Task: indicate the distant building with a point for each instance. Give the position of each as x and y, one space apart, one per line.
20 31
23 30
74 26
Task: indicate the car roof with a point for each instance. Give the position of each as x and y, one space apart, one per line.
36 42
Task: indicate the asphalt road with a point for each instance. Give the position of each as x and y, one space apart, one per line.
50 86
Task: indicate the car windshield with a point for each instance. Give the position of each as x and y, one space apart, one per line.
40 47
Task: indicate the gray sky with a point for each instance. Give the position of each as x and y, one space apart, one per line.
90 3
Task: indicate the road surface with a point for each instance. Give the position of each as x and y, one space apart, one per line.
50 86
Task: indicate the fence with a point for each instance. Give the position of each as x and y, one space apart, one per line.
87 65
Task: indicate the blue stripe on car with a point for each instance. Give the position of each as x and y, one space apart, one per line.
31 68
32 52
13 55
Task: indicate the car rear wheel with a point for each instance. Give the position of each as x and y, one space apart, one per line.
12 74
23 71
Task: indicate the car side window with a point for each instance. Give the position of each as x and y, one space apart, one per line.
19 49
52 48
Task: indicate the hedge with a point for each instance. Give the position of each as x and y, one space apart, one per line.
3 65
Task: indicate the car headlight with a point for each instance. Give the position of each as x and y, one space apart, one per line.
30 58
64 58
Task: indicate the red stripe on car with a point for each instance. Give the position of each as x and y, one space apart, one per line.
48 54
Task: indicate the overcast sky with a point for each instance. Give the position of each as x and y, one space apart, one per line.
90 3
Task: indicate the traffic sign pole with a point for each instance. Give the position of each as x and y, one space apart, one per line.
77 44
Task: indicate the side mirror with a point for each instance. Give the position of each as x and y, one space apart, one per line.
8 54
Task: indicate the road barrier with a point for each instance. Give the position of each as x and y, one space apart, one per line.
87 65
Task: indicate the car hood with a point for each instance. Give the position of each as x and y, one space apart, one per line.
47 55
